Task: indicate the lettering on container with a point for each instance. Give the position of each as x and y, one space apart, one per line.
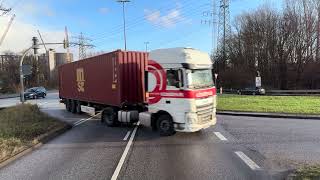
80 79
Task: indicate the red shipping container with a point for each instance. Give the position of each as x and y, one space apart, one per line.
113 78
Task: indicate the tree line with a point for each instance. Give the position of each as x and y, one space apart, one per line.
10 74
282 46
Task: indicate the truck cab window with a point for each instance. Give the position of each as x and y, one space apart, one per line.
173 78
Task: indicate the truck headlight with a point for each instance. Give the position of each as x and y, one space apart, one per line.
191 118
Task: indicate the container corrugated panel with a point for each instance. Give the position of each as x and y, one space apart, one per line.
115 78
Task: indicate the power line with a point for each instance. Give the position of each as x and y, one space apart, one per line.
3 10
210 18
137 21
187 34
194 11
83 44
124 22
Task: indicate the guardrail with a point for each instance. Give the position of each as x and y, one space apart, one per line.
293 92
280 92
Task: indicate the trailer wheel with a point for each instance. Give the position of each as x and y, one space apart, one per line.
73 106
68 105
165 125
109 116
78 108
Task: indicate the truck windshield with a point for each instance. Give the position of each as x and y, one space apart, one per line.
200 78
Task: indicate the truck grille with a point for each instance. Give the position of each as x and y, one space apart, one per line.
204 113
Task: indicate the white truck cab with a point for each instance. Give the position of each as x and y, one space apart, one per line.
181 91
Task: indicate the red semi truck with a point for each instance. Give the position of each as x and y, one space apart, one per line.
169 89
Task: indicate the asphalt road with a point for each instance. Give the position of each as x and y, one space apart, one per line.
237 148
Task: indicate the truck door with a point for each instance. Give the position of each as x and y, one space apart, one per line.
167 93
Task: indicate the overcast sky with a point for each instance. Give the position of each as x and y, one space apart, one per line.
163 23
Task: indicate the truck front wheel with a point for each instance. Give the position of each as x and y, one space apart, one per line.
165 125
109 116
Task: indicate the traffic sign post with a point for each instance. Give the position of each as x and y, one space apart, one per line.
215 79
258 81
26 70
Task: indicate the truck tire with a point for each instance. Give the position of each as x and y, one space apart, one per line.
78 107
68 105
154 125
165 125
109 116
73 106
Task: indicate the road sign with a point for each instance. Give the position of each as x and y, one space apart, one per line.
26 70
258 81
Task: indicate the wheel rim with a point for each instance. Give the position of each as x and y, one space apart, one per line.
165 125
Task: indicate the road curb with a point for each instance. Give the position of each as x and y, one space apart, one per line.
9 96
269 115
42 139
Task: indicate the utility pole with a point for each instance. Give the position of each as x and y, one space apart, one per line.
44 45
67 44
210 18
124 21
224 28
318 33
35 45
83 43
7 29
146 43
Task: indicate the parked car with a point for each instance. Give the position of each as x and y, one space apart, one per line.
252 91
35 93
42 89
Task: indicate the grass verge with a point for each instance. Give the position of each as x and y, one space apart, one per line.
270 104
20 127
306 173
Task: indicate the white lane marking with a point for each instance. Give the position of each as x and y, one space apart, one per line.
127 135
125 153
247 160
74 124
84 120
41 104
220 136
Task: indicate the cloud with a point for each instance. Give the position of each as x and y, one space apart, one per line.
34 8
103 10
167 20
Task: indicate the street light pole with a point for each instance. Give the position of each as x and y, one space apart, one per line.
124 22
146 43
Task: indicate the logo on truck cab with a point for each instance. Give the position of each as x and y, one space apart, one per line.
80 79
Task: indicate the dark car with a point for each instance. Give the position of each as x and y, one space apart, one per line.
252 91
34 93
42 89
